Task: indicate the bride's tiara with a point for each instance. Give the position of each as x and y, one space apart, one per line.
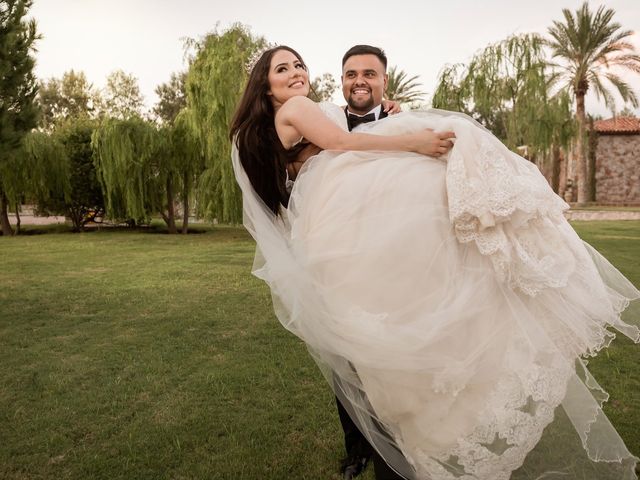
255 56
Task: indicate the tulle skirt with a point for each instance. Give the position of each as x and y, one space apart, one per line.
451 307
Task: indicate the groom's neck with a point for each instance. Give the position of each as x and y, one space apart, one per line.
375 109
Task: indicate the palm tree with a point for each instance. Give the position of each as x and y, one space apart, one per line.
402 89
590 45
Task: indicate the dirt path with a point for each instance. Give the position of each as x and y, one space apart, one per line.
583 215
601 215
31 220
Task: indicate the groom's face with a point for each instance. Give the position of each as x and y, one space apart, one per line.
363 82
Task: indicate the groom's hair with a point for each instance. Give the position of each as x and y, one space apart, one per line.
365 50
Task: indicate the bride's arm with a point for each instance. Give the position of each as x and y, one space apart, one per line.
300 116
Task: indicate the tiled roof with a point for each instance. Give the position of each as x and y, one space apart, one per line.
617 125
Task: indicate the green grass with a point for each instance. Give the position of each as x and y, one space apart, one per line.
136 355
617 368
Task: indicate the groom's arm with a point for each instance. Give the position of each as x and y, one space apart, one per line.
305 154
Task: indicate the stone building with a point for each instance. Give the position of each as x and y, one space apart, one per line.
617 161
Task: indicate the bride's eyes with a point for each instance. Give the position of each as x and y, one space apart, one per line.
283 68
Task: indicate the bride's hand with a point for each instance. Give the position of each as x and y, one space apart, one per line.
434 144
391 107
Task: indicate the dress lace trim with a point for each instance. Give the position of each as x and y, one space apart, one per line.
500 202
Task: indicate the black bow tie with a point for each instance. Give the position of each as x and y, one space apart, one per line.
355 120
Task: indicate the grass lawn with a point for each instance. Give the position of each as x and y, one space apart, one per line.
138 355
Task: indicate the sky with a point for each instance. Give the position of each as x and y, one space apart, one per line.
145 37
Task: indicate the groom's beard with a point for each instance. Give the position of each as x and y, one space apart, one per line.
360 105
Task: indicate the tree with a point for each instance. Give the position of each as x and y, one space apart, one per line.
215 81
187 161
18 88
171 98
507 88
451 92
82 201
402 88
184 154
36 172
125 156
72 96
627 112
590 46
122 97
322 88
69 105
138 168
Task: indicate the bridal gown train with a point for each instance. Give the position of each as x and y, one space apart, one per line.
450 305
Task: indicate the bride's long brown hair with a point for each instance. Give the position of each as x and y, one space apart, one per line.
253 130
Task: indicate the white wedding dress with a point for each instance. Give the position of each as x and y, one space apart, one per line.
449 305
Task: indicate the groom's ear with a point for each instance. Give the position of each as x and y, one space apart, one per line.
386 81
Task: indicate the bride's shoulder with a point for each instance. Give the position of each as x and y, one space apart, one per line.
300 106
300 101
297 102
295 106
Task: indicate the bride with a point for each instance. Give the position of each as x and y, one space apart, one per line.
442 293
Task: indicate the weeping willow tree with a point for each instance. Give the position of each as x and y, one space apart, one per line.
165 166
553 131
130 161
508 87
215 82
188 160
37 172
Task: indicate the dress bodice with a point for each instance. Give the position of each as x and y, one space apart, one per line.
335 114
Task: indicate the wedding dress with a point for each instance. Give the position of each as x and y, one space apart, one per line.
450 305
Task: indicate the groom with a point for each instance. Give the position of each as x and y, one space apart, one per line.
364 80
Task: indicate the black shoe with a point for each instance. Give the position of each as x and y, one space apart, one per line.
352 466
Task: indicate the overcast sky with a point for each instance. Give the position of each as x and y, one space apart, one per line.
144 37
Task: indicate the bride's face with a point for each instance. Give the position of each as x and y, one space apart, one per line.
288 77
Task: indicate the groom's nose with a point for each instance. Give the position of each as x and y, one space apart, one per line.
360 80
